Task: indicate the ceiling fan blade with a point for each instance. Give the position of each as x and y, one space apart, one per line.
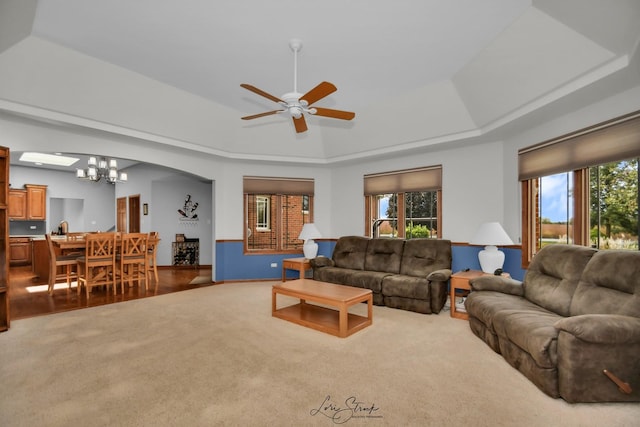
336 114
318 92
262 93
268 113
300 124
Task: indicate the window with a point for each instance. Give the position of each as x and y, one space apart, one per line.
275 211
404 204
613 209
263 210
576 192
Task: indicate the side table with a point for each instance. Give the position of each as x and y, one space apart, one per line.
460 282
299 264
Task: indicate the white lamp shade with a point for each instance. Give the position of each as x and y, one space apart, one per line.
491 234
309 231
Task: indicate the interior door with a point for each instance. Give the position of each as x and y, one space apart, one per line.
134 214
121 207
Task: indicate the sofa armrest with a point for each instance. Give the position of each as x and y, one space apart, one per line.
506 285
602 328
441 275
321 261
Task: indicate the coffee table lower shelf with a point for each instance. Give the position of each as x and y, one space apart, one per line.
321 318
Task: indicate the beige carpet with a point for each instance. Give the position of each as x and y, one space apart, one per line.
215 356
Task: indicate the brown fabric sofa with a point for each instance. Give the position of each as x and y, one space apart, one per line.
576 314
408 274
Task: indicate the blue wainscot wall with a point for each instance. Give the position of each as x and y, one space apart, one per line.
233 265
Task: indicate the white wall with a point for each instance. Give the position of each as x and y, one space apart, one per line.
168 195
479 179
472 180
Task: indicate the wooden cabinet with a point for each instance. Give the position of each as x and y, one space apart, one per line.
19 251
4 239
28 204
36 202
18 204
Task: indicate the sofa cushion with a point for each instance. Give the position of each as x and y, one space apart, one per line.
368 279
553 276
423 256
485 305
610 284
532 330
350 277
350 251
405 286
384 255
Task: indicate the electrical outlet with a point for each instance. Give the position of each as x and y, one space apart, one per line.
274 265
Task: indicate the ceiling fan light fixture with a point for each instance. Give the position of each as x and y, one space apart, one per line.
296 112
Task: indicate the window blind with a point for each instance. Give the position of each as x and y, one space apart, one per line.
419 179
613 140
271 185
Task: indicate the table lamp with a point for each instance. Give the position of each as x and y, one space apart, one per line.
490 235
308 233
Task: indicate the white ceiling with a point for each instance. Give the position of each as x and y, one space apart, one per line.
416 72
371 50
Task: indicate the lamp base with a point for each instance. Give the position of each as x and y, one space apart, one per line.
490 259
310 249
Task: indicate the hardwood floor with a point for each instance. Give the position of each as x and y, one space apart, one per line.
28 295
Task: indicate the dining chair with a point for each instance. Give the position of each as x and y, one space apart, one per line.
97 266
55 260
75 235
152 250
132 259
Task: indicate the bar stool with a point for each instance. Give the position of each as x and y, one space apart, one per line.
55 261
132 259
97 266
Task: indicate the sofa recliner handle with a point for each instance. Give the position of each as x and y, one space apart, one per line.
624 387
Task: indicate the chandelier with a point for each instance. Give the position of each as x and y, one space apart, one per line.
102 169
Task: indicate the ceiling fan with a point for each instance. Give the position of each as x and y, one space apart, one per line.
297 104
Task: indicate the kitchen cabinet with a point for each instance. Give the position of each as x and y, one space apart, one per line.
36 202
20 251
28 204
18 204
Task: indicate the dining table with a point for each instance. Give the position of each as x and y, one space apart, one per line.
65 244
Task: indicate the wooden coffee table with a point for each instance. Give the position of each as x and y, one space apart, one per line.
338 322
